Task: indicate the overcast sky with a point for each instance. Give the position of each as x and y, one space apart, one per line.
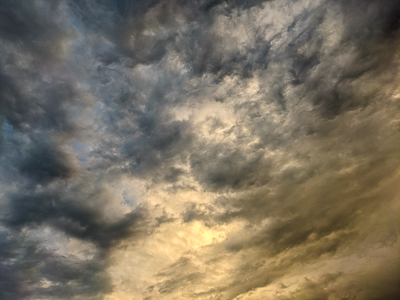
199 149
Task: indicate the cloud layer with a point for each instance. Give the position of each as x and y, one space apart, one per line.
199 149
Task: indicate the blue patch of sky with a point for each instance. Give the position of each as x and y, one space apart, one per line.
129 201
8 130
79 46
96 110
82 148
77 24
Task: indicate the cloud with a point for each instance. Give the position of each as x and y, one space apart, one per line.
199 149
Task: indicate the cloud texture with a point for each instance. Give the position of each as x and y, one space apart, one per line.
199 149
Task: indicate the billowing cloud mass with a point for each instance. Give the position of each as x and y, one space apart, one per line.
206 149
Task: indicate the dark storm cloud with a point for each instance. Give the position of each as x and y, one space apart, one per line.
124 23
32 106
303 158
43 108
33 29
39 103
316 76
368 26
63 211
24 264
45 163
70 215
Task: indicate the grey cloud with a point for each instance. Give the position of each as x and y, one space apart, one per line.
188 274
230 169
320 216
40 100
25 265
75 218
72 215
326 286
46 163
304 163
28 26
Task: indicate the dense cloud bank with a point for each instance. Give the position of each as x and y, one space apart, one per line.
199 149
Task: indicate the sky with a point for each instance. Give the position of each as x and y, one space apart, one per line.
199 149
